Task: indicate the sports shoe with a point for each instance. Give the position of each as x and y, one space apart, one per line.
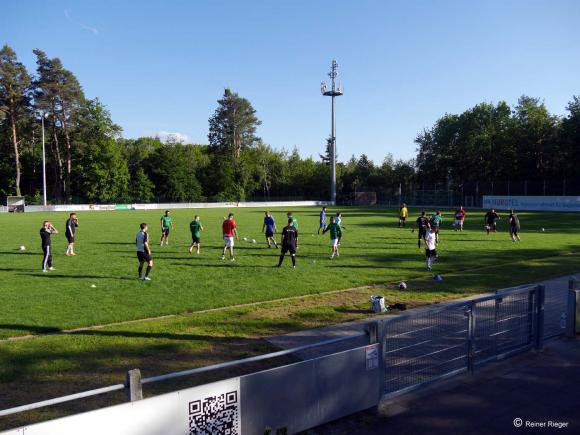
223 257
428 267
232 259
51 268
44 270
146 278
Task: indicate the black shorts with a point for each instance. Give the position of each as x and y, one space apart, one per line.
269 233
143 257
70 237
165 231
402 219
430 253
514 230
195 239
289 248
422 233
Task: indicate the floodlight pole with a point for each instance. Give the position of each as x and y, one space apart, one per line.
43 161
336 91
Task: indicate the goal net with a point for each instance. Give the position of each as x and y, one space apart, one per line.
15 204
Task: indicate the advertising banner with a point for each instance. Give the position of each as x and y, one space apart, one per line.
538 203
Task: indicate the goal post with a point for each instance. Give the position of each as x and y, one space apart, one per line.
15 204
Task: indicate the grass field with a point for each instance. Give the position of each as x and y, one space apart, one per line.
374 252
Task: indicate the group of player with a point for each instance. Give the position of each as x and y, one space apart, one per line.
428 228
46 233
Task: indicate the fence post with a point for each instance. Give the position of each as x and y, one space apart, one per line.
573 311
540 318
373 332
133 384
470 336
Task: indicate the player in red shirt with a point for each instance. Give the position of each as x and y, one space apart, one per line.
459 219
229 232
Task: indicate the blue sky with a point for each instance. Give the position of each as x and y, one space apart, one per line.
160 66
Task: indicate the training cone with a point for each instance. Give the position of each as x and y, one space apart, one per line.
438 278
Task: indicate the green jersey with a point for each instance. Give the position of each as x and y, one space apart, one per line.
195 227
436 219
166 222
334 230
295 222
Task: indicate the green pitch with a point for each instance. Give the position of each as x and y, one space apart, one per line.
99 285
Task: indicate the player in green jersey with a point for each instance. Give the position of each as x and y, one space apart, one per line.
196 228
334 230
166 226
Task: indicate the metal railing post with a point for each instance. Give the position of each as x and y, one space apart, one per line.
373 332
573 309
541 295
470 337
134 386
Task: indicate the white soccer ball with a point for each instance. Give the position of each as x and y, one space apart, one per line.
402 285
23 248
543 230
93 286
245 239
253 240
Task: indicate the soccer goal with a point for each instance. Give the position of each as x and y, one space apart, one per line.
15 204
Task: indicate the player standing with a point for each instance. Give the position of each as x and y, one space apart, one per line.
430 247
229 231
491 218
143 251
514 222
322 221
334 230
45 232
459 219
270 227
338 222
71 226
289 242
166 226
196 228
403 215
422 226
436 221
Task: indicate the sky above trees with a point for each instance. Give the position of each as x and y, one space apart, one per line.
159 67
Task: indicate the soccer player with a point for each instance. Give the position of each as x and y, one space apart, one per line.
71 226
338 221
270 227
196 228
289 242
436 221
403 215
334 230
294 220
166 226
45 232
422 226
143 251
459 219
514 222
430 247
229 231
491 218
322 221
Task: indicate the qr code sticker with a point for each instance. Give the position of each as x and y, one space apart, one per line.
215 415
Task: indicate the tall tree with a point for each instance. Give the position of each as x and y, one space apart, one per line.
14 100
232 128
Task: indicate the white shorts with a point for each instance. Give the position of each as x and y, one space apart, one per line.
458 223
228 242
334 242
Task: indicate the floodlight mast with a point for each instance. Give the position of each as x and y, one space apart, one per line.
335 91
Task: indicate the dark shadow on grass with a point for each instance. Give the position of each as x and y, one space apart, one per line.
30 328
60 275
19 252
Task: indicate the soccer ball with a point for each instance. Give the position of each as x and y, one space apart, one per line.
93 286
253 240
23 248
245 239
402 285
543 230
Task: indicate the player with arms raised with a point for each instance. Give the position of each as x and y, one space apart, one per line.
71 227
45 232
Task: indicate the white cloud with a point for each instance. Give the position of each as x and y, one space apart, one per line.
172 136
93 30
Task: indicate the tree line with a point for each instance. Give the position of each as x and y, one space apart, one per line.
87 159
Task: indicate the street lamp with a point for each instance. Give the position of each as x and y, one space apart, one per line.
42 116
335 91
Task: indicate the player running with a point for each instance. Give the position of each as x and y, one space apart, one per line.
289 242
45 232
143 251
436 221
166 226
334 230
71 226
322 222
422 227
229 231
196 228
514 222
459 219
430 247
491 218
403 215
270 227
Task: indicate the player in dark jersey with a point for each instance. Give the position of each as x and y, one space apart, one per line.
45 232
71 227
491 218
270 228
514 222
422 227
289 243
143 251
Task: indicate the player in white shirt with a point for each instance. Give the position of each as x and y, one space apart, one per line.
430 247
